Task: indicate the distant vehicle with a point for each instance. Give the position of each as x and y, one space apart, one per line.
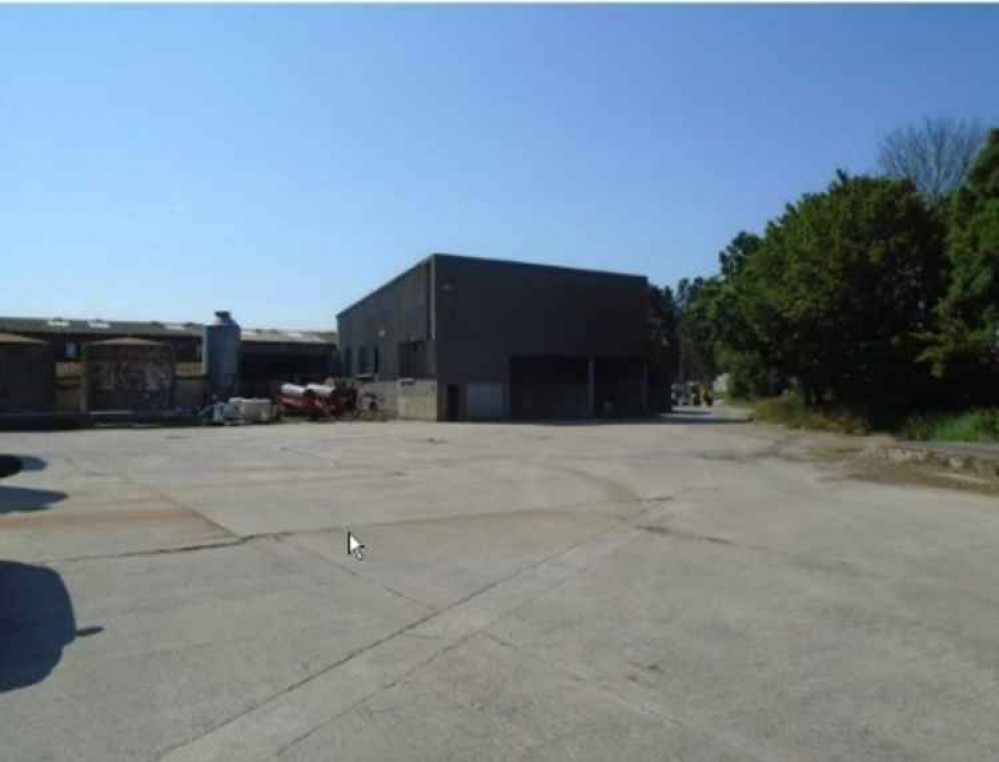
679 394
692 393
695 394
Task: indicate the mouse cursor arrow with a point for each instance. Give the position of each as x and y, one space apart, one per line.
355 547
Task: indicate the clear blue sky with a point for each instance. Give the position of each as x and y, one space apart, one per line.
164 162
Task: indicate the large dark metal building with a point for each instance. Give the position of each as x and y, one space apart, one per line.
506 339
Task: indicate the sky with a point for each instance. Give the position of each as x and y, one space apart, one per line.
162 163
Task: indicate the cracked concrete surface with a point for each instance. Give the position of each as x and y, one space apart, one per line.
670 590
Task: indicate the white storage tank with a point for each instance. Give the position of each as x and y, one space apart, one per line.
253 410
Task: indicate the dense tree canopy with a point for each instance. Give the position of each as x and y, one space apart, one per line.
840 288
696 329
872 294
967 338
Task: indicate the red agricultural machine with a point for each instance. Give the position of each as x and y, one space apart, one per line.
331 400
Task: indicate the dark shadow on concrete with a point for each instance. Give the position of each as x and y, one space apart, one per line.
31 462
9 465
25 499
697 417
12 464
41 421
15 499
36 623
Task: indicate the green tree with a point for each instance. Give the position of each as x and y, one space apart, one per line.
669 316
743 321
735 256
839 291
662 347
964 348
695 305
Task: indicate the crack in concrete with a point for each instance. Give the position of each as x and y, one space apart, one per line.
231 539
166 497
222 543
649 709
290 537
684 535
396 633
479 631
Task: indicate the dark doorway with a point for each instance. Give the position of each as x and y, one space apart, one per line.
452 409
619 385
549 387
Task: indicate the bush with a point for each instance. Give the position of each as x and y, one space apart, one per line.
970 426
791 410
981 425
748 375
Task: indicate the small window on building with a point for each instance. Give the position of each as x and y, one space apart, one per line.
362 360
412 359
374 353
348 369
71 350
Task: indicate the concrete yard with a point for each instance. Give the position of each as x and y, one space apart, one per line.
692 588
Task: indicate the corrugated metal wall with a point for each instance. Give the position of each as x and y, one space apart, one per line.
27 375
394 322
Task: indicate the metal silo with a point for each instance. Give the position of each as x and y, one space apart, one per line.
221 354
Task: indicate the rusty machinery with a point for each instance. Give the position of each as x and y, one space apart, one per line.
331 400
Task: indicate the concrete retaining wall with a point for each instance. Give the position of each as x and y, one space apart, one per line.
417 400
406 399
388 394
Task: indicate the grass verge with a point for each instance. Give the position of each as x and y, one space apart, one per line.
970 426
979 425
791 411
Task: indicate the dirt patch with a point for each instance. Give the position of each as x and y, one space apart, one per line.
920 475
91 519
857 458
836 452
844 457
798 447
865 461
